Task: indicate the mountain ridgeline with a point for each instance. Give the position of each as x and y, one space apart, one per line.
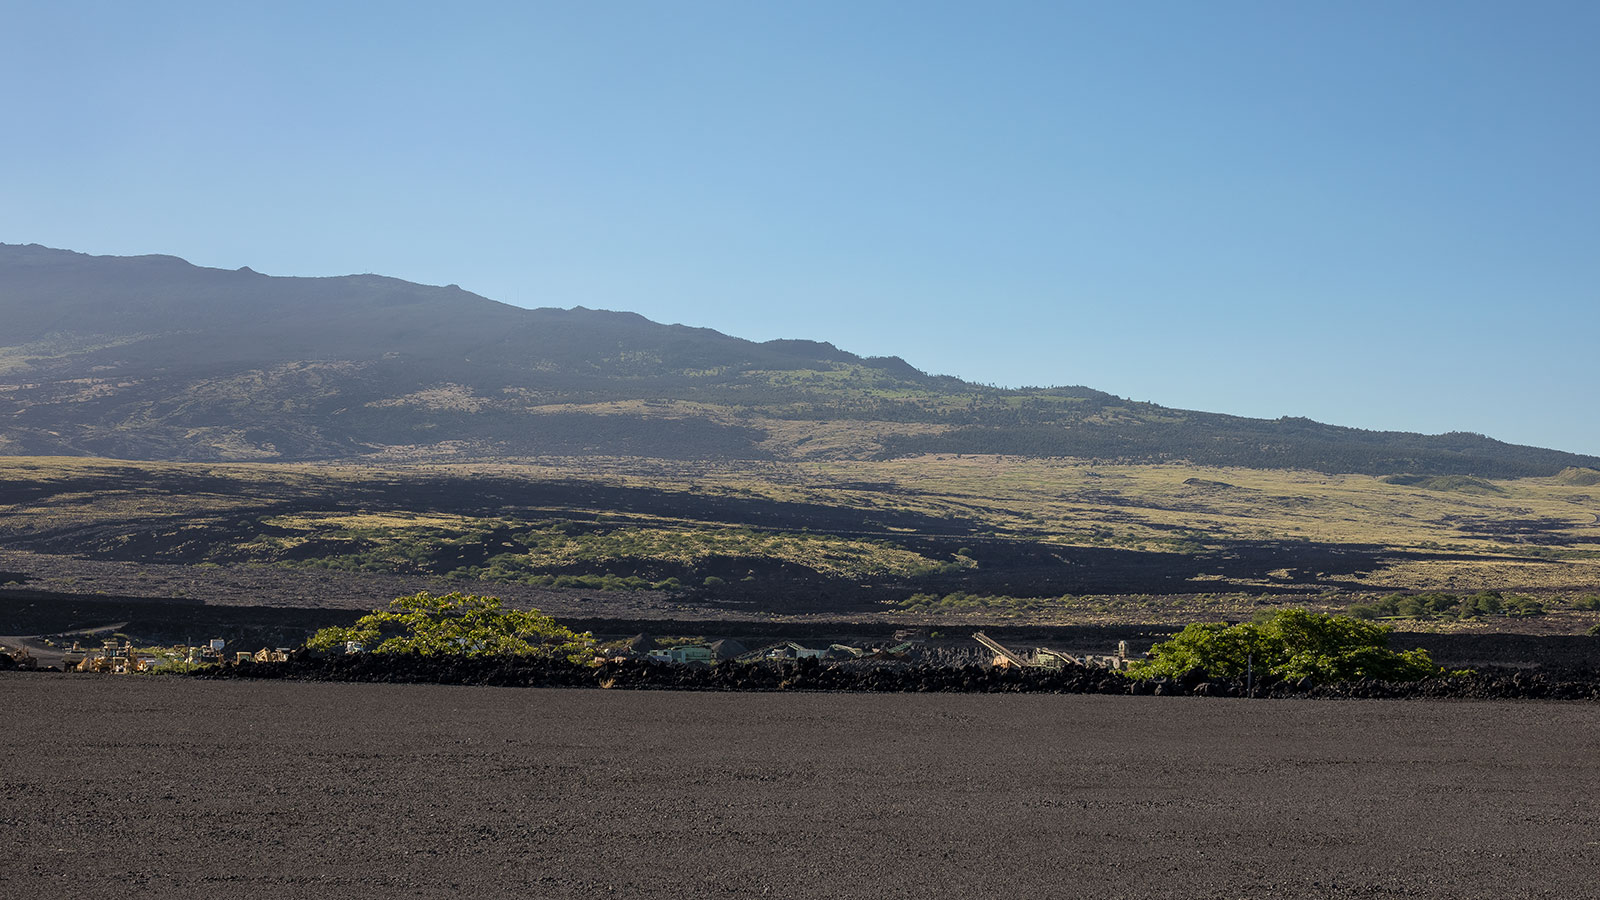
153 358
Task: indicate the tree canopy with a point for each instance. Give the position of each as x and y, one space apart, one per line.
1294 643
457 624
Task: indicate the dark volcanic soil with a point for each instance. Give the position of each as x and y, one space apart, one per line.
156 787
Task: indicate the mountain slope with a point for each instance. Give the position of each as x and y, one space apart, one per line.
153 358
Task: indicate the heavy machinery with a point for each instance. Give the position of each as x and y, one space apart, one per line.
1004 656
21 656
1046 658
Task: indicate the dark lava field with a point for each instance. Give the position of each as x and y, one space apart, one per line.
183 788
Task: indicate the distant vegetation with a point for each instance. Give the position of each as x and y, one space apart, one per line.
1462 483
1292 644
1123 431
1088 608
1436 605
564 553
963 602
969 537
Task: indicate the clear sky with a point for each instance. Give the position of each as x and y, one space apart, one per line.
1384 215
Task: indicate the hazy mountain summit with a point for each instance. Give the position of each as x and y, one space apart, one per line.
150 357
160 306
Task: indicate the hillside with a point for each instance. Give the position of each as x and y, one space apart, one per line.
924 540
152 358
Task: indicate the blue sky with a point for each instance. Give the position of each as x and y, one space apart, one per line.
1384 215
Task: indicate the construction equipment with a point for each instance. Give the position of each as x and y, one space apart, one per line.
779 650
1047 658
21 656
1004 657
94 662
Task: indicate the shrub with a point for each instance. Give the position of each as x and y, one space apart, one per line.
1486 603
1523 606
457 624
1294 643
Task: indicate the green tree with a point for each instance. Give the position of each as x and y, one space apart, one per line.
1294 643
458 624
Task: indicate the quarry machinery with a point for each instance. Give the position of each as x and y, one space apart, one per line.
1003 655
1047 658
21 656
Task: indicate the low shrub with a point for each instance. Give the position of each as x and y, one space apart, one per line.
1292 644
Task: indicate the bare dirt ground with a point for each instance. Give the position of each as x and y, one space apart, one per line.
158 787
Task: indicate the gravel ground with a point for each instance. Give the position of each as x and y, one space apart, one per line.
178 788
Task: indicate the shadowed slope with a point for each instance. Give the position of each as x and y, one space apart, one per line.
153 358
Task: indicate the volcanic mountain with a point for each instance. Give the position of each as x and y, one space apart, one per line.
153 358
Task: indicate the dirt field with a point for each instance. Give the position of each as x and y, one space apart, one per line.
183 788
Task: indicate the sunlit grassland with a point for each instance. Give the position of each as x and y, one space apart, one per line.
1060 500
1553 612
1174 507
1073 500
799 439
1102 609
519 549
1161 507
1531 533
844 382
790 431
